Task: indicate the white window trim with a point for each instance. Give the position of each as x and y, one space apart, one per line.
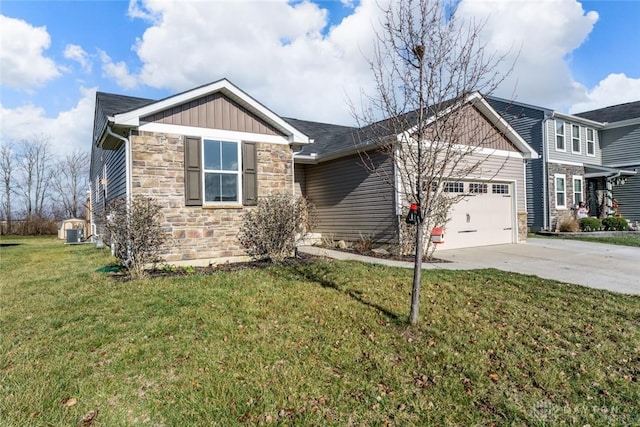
555 190
573 188
238 172
592 141
563 134
579 151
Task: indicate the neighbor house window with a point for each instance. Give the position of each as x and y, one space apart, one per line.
560 135
475 187
561 200
575 138
221 171
577 189
591 142
454 187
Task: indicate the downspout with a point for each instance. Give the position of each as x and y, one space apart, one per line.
545 190
127 169
127 161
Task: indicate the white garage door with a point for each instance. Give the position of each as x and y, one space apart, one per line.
484 217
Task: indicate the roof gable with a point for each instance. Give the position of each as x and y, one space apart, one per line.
241 99
214 111
335 141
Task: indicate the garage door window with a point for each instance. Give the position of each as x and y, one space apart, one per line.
500 189
454 187
477 188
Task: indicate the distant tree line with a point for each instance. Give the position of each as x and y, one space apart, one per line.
40 188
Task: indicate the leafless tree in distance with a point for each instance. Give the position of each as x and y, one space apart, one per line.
71 183
7 166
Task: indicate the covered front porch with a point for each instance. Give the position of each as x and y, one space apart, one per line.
600 183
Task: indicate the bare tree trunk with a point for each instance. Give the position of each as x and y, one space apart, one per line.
7 165
34 165
417 274
72 182
429 69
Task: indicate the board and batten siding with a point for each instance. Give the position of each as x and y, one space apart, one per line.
352 202
568 155
214 111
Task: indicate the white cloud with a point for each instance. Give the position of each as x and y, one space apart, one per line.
22 63
538 36
117 71
276 52
68 130
76 53
614 89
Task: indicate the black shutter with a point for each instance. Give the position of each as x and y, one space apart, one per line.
192 171
249 174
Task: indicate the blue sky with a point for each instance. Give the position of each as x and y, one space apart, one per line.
301 59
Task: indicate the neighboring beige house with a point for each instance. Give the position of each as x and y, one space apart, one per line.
205 155
208 154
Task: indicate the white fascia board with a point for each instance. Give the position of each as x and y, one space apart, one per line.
132 118
213 133
577 119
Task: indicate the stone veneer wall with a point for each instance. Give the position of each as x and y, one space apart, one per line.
569 171
523 228
206 234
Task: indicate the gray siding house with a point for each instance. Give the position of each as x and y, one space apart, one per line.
572 166
207 155
357 199
620 148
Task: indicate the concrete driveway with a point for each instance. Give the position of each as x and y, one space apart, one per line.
597 265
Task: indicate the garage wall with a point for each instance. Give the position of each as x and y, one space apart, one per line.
502 168
351 201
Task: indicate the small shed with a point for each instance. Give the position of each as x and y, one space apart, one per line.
71 224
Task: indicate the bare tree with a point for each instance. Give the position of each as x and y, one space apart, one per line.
7 165
71 183
34 161
428 67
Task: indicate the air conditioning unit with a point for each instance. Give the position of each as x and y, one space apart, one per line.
74 235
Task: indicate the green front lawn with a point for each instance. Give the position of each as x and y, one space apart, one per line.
318 344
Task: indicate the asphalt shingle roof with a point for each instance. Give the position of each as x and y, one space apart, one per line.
113 104
327 138
614 113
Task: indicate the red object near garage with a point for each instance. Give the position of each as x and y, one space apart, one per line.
437 235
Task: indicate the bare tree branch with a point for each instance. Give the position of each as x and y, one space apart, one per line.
427 65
